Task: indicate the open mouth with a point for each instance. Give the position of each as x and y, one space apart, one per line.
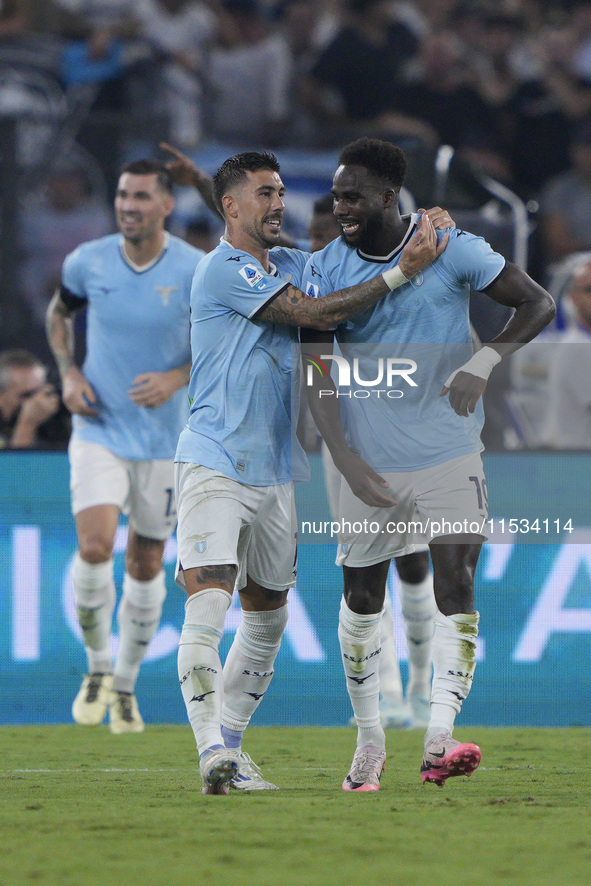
274 223
349 227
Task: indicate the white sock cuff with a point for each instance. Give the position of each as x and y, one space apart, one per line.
145 594
358 625
205 614
450 624
266 627
90 576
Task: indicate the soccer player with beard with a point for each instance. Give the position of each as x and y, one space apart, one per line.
129 403
416 579
425 443
236 519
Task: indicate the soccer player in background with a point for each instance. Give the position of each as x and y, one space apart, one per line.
237 455
426 444
129 403
416 579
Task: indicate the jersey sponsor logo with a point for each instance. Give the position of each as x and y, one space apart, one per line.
165 293
312 290
251 274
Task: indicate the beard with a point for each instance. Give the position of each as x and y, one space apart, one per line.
367 236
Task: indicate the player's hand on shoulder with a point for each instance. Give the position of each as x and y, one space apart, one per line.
77 393
465 390
365 483
440 218
422 249
153 389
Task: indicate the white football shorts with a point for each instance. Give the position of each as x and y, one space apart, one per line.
445 500
222 521
143 490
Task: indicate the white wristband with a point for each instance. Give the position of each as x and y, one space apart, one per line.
481 364
393 278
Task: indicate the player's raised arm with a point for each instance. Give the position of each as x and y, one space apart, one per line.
294 308
186 173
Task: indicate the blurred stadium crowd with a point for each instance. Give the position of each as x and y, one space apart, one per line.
491 102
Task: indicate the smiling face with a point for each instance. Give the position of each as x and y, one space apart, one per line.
141 207
254 209
360 205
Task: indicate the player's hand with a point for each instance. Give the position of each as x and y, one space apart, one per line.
77 393
184 171
465 390
152 389
440 218
365 483
422 248
40 406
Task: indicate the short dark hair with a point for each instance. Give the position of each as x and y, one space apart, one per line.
233 171
383 159
151 167
323 205
16 358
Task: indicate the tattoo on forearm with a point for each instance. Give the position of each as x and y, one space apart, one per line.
295 308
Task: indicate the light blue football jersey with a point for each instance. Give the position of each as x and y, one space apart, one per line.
244 383
401 351
137 321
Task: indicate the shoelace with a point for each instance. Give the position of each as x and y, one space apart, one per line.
247 766
94 684
364 766
124 702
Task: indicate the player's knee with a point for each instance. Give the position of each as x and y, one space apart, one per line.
364 600
95 549
413 568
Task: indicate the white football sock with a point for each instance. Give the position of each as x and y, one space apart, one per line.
249 666
94 593
418 609
454 647
199 665
390 680
138 618
359 636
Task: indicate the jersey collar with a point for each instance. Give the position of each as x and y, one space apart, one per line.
141 268
386 259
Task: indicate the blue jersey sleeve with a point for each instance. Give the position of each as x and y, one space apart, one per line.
238 281
290 261
73 273
469 259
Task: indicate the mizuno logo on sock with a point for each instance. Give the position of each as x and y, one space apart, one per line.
201 697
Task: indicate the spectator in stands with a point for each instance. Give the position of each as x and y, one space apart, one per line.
356 77
178 33
545 109
248 78
15 18
438 91
55 221
568 423
29 406
565 202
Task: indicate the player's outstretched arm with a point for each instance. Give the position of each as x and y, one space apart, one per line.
77 393
294 308
186 173
534 309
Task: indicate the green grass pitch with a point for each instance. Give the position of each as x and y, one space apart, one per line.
81 807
